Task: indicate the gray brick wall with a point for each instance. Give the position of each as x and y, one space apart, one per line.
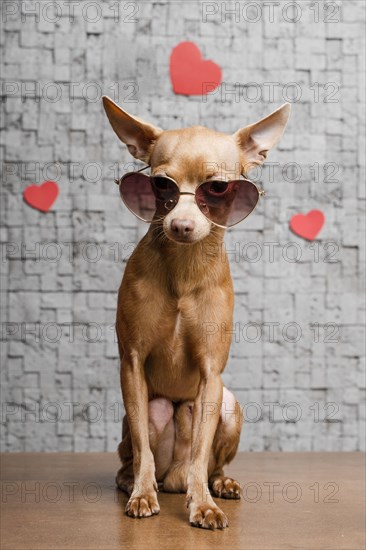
297 357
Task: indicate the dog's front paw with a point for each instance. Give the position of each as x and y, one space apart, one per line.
143 506
207 516
225 487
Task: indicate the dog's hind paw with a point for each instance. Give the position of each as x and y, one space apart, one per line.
125 483
225 487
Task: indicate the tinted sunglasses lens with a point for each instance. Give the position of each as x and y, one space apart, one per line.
166 192
145 195
137 194
227 203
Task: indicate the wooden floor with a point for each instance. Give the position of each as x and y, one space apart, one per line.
305 501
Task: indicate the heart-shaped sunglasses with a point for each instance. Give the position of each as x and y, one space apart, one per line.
224 203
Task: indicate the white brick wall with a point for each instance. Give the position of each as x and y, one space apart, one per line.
60 383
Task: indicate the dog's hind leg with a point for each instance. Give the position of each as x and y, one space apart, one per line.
124 478
224 448
176 477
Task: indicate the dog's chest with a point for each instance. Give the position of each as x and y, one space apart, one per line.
170 368
176 331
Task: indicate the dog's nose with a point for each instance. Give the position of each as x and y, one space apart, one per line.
182 228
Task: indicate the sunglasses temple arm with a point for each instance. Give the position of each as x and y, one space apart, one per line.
117 181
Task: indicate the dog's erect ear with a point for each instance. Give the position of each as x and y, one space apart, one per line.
257 139
139 136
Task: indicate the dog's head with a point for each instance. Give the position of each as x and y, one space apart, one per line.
191 156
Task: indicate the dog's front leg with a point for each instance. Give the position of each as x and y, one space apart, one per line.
143 501
203 512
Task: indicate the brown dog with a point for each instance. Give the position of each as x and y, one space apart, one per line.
181 425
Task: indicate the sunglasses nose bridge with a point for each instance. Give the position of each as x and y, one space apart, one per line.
186 197
186 203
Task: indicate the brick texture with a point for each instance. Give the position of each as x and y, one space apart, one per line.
297 358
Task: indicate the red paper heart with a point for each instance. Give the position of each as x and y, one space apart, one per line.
190 74
307 225
42 196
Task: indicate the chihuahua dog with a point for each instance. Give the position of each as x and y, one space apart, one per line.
181 425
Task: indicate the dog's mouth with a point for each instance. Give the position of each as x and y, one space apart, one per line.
181 238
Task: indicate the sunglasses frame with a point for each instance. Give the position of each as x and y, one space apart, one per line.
261 193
